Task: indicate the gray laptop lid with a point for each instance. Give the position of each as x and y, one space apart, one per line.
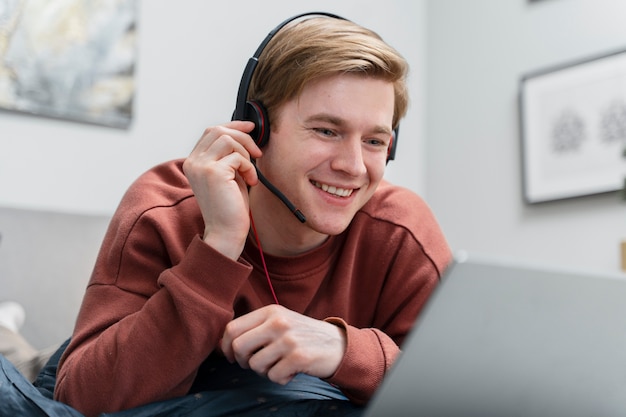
498 339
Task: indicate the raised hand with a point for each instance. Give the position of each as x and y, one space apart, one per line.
219 171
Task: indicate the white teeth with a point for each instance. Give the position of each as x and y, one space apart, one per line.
331 189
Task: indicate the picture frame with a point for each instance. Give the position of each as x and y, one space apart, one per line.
573 128
73 60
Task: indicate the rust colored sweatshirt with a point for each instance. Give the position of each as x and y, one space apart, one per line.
159 298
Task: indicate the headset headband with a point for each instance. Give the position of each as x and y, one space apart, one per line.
244 85
246 79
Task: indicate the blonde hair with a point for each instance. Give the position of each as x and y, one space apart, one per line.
317 47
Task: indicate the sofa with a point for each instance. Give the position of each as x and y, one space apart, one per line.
46 259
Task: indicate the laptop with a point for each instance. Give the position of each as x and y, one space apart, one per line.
504 339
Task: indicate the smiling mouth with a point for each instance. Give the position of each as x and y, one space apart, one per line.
331 189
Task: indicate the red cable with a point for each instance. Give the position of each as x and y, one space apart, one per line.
267 274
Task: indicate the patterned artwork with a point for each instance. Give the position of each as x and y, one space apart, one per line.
574 129
70 59
570 130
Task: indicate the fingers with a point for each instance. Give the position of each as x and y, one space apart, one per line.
280 343
237 342
225 163
229 144
279 363
260 341
235 131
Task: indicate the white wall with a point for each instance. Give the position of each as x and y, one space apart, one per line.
191 55
476 52
190 58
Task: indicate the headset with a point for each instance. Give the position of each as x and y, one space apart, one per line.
254 111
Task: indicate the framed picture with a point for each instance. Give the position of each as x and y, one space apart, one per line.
71 59
573 128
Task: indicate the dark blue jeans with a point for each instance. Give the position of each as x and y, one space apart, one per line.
238 392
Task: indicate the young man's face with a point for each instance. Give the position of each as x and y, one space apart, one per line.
328 149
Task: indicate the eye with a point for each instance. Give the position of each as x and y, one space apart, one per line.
324 131
377 142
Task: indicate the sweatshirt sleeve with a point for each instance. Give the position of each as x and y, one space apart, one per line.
369 353
155 307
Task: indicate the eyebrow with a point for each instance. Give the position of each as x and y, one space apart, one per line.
325 117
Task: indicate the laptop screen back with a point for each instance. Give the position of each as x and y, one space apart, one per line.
498 339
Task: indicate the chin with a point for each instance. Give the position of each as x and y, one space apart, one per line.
329 227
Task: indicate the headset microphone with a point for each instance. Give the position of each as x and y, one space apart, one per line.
296 212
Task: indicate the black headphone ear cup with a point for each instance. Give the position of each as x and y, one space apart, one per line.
256 113
391 150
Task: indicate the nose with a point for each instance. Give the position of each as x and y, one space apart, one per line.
348 157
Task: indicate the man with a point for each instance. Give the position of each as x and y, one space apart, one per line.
207 284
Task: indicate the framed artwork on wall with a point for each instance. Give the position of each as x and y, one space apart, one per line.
573 128
71 59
